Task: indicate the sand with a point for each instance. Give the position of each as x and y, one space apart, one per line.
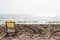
32 32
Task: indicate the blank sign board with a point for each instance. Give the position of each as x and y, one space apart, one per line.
10 24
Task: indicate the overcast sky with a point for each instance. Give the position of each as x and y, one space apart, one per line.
31 7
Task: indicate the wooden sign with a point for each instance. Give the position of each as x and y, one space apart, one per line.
10 24
10 28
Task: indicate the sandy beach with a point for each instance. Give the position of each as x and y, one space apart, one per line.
32 32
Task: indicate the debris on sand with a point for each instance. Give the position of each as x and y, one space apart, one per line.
33 32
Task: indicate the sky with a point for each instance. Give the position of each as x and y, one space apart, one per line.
30 7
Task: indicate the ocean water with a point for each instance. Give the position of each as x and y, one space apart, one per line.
28 19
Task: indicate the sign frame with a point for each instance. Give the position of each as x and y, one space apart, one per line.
7 33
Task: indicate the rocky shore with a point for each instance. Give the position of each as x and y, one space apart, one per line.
33 32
